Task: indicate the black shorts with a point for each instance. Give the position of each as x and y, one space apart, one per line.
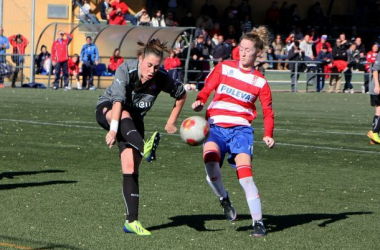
375 100
101 112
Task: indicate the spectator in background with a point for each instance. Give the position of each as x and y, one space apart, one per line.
246 25
222 51
171 65
143 19
279 51
130 15
344 42
169 20
205 21
19 43
298 33
201 30
322 41
60 58
203 55
306 47
84 11
231 15
116 16
295 54
41 61
4 45
209 9
244 9
284 17
325 57
352 62
215 30
371 58
290 42
158 20
315 15
339 55
231 33
104 8
172 8
89 56
294 15
272 16
188 20
74 69
360 46
115 61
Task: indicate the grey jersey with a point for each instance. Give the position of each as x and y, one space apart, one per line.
138 98
376 67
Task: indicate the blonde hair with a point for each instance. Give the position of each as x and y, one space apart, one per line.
153 46
259 36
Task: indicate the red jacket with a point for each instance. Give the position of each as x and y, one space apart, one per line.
59 51
115 62
371 58
118 18
171 63
73 67
18 48
235 53
319 45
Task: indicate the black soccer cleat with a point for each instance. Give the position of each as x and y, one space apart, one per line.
228 209
258 229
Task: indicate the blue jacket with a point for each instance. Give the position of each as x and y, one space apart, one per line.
89 53
4 40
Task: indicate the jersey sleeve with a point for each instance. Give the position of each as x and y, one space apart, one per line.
376 65
268 115
118 87
211 83
174 88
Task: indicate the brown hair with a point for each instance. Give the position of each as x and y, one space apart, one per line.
259 36
153 46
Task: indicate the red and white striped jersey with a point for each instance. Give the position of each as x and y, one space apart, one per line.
236 91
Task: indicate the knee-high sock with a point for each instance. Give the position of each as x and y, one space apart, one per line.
131 196
131 135
376 124
252 195
214 179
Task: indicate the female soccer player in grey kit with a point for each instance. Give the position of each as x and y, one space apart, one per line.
121 110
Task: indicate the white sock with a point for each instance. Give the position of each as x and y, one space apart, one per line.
253 199
214 179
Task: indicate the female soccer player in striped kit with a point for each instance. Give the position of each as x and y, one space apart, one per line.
237 86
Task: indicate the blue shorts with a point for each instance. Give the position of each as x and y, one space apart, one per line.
234 140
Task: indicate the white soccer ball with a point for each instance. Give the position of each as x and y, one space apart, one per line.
194 130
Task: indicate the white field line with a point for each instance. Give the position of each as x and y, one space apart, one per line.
278 144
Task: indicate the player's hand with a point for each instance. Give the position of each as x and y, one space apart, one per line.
197 106
170 128
111 138
376 90
269 141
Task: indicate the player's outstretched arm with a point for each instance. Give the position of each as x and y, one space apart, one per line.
269 141
170 124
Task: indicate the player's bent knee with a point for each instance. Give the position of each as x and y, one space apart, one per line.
211 156
244 171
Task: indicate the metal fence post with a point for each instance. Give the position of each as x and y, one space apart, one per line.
296 76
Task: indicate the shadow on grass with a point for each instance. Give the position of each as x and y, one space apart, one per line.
43 244
11 175
33 184
277 223
273 223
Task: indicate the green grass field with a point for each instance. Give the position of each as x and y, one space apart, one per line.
60 186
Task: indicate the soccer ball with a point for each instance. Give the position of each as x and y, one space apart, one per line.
194 130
